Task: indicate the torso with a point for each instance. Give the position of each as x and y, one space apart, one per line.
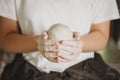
36 16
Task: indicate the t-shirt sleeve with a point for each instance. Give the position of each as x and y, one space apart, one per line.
104 10
7 9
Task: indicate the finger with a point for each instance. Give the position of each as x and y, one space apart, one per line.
63 52
48 48
60 59
48 42
74 33
44 35
73 43
69 49
53 60
51 54
70 42
65 55
77 36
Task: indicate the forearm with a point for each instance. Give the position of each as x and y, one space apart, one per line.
16 43
94 41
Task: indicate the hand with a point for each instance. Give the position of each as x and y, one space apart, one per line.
70 49
47 47
63 51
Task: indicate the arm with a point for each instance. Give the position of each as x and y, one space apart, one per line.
94 41
12 41
97 38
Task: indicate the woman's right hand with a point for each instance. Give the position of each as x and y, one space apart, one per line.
47 47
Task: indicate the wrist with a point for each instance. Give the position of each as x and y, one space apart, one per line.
37 41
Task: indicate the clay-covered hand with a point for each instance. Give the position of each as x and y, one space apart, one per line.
70 49
47 47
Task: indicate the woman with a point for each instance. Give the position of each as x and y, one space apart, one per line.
90 18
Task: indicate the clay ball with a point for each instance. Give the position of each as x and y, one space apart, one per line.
60 32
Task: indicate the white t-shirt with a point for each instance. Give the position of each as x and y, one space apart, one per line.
36 16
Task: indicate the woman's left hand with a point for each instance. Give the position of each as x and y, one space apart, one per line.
69 49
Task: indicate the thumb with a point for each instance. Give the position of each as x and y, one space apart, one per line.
44 35
76 35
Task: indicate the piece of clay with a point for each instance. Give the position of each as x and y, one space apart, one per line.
60 32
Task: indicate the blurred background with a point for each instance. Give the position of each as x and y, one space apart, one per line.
111 54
